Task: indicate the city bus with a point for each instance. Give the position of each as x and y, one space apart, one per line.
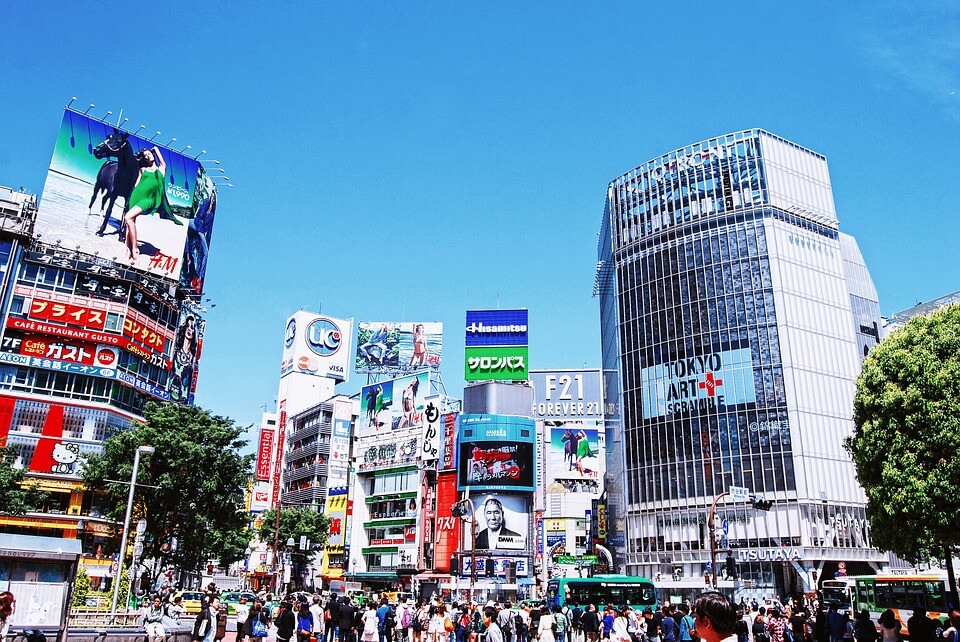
619 590
900 593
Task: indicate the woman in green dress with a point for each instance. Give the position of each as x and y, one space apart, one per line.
149 195
583 451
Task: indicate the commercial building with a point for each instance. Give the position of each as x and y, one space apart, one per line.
96 320
734 316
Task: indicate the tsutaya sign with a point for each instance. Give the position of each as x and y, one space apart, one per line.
709 381
786 554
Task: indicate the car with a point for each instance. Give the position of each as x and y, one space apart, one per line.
232 599
192 601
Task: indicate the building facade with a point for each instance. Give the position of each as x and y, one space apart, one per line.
734 316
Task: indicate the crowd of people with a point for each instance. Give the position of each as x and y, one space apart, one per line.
711 618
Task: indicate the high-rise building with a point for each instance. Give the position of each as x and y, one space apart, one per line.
734 316
99 315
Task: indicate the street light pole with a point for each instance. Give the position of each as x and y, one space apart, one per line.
145 450
458 510
713 538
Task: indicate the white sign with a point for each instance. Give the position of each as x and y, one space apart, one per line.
317 345
693 385
739 493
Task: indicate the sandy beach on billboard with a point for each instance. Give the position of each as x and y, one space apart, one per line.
63 216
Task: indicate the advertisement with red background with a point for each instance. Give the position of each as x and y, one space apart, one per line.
264 450
447 540
36 345
67 313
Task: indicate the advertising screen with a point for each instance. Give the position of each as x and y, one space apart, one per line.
395 403
395 348
187 345
708 382
573 451
496 328
492 464
503 522
317 345
114 193
567 394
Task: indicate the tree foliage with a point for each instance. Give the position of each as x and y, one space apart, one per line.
294 523
18 496
907 438
195 513
81 587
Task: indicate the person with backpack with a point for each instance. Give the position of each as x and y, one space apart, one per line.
561 624
257 624
576 633
404 622
590 624
506 623
461 626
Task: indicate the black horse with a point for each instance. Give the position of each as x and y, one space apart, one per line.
115 178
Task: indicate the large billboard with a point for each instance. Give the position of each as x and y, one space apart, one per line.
317 345
187 346
396 348
708 382
112 193
503 522
573 451
496 452
394 404
567 394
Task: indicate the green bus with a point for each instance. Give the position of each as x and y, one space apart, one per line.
619 590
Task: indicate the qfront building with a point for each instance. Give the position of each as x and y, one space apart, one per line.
734 316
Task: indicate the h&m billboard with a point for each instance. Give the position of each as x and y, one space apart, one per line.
496 452
113 193
396 348
317 345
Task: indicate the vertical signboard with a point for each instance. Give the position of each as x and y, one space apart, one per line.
339 463
264 450
432 427
278 453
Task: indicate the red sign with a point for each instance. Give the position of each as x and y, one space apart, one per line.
62 350
93 337
281 429
386 541
142 333
264 451
68 313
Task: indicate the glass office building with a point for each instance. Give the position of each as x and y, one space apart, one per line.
734 316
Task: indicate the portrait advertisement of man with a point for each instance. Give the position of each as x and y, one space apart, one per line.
504 521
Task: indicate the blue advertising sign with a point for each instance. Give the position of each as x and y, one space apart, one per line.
496 328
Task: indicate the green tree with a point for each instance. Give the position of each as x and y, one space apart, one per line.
195 512
294 523
81 587
907 438
18 496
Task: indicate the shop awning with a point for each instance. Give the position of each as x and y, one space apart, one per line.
526 581
374 576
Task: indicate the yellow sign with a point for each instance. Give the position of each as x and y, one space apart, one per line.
555 524
601 521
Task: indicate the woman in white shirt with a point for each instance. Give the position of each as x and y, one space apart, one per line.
547 626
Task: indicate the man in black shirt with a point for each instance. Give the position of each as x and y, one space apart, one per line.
590 623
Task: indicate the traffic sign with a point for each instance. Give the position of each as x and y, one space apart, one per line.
739 493
726 527
114 568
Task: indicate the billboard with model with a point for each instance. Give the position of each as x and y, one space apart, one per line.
112 193
395 348
394 404
503 522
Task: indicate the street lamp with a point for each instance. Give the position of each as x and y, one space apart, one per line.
141 450
460 510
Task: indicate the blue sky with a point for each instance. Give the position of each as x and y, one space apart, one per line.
408 160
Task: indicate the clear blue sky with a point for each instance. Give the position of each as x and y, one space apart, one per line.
407 160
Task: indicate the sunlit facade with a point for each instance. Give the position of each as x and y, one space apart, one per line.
734 316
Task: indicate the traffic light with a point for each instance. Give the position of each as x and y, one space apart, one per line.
511 572
731 567
762 504
488 567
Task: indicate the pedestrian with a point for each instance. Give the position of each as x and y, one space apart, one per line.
668 626
507 623
8 606
305 623
220 613
346 614
330 618
205 624
317 612
714 617
619 632
561 624
153 621
590 624
776 626
952 632
889 627
257 624
243 612
371 623
837 624
285 621
491 625
741 628
546 626
405 617
686 624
